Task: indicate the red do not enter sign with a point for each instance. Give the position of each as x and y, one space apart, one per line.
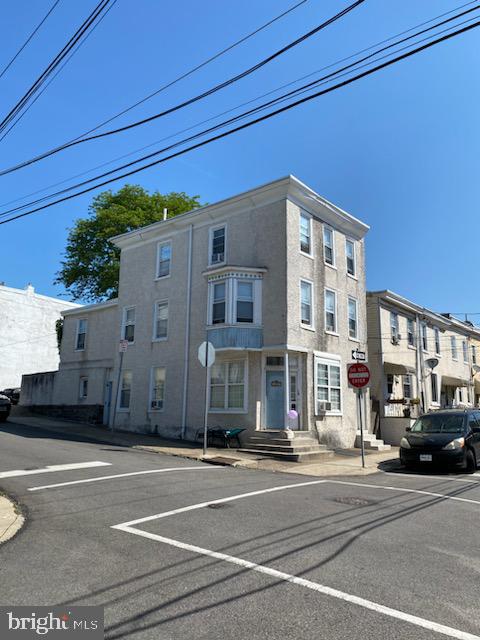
358 375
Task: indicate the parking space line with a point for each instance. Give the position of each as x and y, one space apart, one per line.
122 475
430 625
424 475
52 468
405 490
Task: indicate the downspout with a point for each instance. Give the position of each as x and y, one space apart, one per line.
186 358
420 377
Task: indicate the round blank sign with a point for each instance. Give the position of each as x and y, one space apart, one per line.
206 354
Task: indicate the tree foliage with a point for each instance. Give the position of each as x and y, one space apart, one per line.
90 269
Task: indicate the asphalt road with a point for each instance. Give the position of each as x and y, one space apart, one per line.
387 556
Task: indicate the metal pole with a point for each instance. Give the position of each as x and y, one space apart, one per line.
362 445
205 421
117 395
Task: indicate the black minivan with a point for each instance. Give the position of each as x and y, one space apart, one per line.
447 438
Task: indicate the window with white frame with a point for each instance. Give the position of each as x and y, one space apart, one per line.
244 301
218 303
83 390
453 344
329 246
424 337
352 318
436 333
125 390
465 351
305 233
394 326
128 332
164 259
410 332
228 386
351 260
328 386
434 386
474 354
217 245
330 311
157 388
306 306
160 320
407 386
81 338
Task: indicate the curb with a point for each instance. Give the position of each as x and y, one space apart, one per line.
12 518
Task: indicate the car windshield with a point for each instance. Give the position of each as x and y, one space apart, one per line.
439 423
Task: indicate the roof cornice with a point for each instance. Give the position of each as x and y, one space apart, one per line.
285 188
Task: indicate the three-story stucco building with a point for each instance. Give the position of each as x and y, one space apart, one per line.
274 278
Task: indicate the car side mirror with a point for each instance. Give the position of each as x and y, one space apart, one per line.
408 428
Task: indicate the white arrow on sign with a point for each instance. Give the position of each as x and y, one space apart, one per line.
206 354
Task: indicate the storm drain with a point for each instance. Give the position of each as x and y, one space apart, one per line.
355 502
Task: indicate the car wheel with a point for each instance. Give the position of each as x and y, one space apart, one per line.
3 418
470 462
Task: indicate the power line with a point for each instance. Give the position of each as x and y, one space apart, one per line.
9 64
218 115
242 116
86 25
196 98
59 70
256 120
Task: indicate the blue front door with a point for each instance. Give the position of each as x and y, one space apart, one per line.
275 400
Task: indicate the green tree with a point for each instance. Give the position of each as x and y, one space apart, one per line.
91 266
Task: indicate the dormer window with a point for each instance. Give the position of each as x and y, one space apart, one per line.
218 303
217 245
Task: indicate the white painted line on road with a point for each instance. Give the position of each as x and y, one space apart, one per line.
309 584
122 475
302 582
200 505
52 468
424 475
405 490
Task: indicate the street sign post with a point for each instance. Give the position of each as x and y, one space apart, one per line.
206 357
359 356
358 375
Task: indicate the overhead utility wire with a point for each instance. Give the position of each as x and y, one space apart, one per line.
59 70
194 69
218 115
186 103
242 116
185 75
255 121
9 64
54 63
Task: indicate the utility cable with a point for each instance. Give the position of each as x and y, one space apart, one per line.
9 64
256 120
190 101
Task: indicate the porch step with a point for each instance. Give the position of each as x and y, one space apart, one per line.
296 446
306 456
371 442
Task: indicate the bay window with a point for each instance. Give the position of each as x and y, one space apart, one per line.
235 300
218 304
244 301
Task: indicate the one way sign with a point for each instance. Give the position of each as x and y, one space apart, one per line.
359 356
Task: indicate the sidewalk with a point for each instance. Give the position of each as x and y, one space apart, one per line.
344 462
11 520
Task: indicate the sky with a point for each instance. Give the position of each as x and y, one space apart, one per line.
398 149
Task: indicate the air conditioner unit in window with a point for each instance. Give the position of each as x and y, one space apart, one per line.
157 404
324 406
218 257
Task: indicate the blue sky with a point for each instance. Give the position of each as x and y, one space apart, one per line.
398 149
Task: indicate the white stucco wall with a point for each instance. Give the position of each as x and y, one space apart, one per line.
28 340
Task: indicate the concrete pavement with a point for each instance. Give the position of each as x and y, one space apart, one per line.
344 462
11 519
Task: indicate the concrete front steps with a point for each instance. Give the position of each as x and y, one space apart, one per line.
302 446
370 441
